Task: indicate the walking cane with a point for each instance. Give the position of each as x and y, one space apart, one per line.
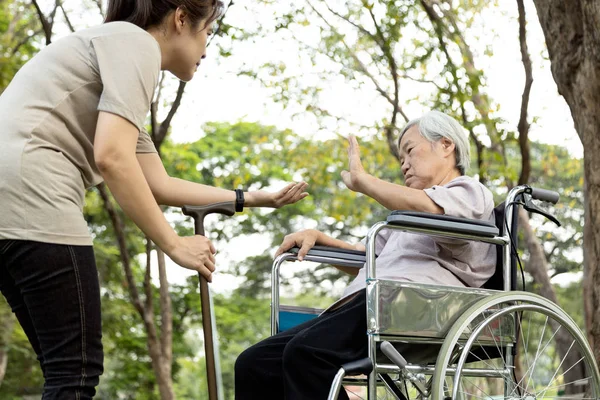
198 213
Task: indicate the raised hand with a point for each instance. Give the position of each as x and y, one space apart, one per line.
353 177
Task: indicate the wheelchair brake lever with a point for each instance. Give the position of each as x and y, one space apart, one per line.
530 206
390 351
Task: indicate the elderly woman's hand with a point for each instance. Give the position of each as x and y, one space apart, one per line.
356 173
305 239
290 194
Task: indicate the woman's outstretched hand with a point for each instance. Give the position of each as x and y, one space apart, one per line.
290 194
353 177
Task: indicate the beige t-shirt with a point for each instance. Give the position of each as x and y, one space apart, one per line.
49 114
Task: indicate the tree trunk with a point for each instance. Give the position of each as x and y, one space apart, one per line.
160 360
573 41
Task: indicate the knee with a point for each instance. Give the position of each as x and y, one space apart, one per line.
295 352
246 361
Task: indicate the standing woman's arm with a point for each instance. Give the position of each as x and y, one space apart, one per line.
178 192
114 152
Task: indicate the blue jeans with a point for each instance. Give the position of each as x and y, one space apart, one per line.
54 292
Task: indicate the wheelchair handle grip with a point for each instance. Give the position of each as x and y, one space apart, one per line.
199 212
545 195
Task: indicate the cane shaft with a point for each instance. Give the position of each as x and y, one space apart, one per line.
209 346
198 213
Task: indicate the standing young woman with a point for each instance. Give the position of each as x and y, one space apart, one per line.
72 117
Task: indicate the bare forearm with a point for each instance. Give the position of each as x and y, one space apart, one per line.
397 197
126 181
325 240
178 192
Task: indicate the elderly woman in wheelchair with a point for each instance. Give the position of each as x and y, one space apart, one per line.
418 291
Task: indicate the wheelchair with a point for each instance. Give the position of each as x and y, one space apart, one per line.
457 343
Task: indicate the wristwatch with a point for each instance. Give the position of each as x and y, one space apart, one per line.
239 200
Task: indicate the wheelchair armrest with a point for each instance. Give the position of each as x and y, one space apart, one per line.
343 257
444 223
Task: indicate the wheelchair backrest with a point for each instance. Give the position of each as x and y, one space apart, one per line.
496 281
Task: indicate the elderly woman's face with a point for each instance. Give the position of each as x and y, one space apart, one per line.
425 163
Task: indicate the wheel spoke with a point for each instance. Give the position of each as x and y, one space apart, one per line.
486 395
536 355
560 365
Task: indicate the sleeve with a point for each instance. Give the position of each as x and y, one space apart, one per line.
145 144
129 66
465 198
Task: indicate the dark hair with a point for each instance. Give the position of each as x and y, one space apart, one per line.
147 13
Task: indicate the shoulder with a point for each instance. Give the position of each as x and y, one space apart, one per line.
123 48
463 197
475 190
121 36
470 184
111 28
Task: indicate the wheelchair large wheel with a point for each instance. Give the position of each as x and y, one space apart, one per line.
515 345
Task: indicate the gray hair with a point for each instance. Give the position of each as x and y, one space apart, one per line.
436 125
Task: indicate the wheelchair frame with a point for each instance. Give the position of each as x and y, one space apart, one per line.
452 332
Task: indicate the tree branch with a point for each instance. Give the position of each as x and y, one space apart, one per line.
166 327
523 125
478 99
479 147
390 130
67 20
148 277
24 41
117 224
354 24
163 128
146 313
100 8
362 68
46 25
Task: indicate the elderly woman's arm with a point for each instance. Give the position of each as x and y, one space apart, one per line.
308 238
389 195
396 197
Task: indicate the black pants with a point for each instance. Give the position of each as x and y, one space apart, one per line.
54 292
300 363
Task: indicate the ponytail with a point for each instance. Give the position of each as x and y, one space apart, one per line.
147 13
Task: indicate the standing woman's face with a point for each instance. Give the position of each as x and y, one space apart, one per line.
188 47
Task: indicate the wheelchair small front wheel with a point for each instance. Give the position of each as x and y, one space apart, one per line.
515 345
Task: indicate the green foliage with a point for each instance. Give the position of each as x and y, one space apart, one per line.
23 374
364 44
19 40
